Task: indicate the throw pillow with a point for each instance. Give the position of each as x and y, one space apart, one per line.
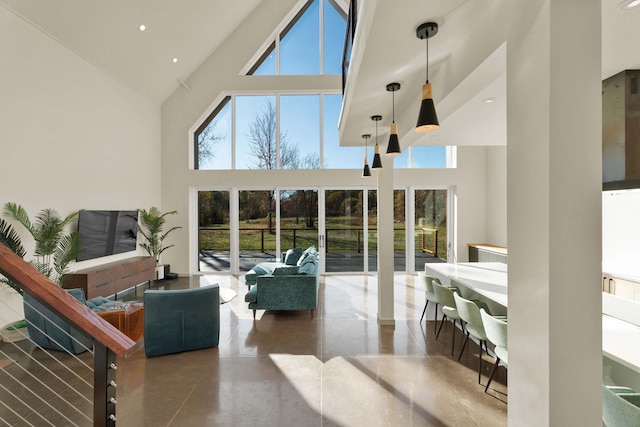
307 269
286 271
259 271
304 256
292 256
311 249
310 258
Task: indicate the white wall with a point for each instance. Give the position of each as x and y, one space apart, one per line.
71 136
497 195
621 232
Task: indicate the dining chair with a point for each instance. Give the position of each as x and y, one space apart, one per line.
620 407
426 283
469 312
496 329
445 296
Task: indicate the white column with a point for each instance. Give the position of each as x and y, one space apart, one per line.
385 243
554 184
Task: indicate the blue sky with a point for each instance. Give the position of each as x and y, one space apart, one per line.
302 115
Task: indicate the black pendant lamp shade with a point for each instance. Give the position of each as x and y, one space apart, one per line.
366 172
393 148
427 118
377 162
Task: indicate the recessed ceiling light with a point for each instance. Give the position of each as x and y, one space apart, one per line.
142 27
174 60
489 100
629 4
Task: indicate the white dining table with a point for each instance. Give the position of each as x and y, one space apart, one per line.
485 281
488 281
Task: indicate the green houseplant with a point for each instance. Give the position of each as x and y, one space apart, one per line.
10 238
54 249
152 224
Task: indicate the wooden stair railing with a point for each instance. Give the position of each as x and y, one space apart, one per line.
54 297
108 341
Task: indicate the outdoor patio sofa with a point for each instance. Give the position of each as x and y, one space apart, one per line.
284 286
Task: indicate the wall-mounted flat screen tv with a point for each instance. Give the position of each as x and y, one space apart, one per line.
104 233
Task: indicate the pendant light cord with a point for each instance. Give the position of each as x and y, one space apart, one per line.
427 59
393 107
376 132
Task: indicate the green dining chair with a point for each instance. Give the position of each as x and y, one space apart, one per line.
496 329
445 296
469 312
620 407
426 283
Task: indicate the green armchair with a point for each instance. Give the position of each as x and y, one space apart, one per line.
181 320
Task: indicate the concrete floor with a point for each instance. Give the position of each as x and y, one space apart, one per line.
338 369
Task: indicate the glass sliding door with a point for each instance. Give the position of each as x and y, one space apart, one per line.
399 231
430 236
256 227
372 208
214 231
298 219
344 236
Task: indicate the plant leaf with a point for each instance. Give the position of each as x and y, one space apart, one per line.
10 238
66 252
17 212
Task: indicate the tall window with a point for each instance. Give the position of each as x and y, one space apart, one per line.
214 231
274 132
430 219
421 156
213 139
311 43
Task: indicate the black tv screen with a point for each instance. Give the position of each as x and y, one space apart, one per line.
104 233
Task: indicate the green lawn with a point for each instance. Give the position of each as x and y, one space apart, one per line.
341 237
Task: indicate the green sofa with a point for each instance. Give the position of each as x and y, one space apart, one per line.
47 330
287 287
292 257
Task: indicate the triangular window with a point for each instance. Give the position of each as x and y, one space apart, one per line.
311 43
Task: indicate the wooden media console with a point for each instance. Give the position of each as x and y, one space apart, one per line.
109 279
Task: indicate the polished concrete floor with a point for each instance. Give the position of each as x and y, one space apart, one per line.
286 369
338 369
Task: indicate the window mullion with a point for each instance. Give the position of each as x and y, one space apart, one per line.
277 131
321 112
233 132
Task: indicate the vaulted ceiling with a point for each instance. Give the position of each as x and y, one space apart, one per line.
107 34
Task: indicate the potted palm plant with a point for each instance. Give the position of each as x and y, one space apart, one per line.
54 250
152 224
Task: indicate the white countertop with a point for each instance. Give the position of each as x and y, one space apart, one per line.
620 338
620 342
488 279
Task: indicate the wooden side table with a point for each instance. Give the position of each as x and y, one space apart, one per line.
129 319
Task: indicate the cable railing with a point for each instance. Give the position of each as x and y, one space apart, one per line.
61 368
336 239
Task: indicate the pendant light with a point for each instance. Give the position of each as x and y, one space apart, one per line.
366 172
393 148
427 118
377 161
